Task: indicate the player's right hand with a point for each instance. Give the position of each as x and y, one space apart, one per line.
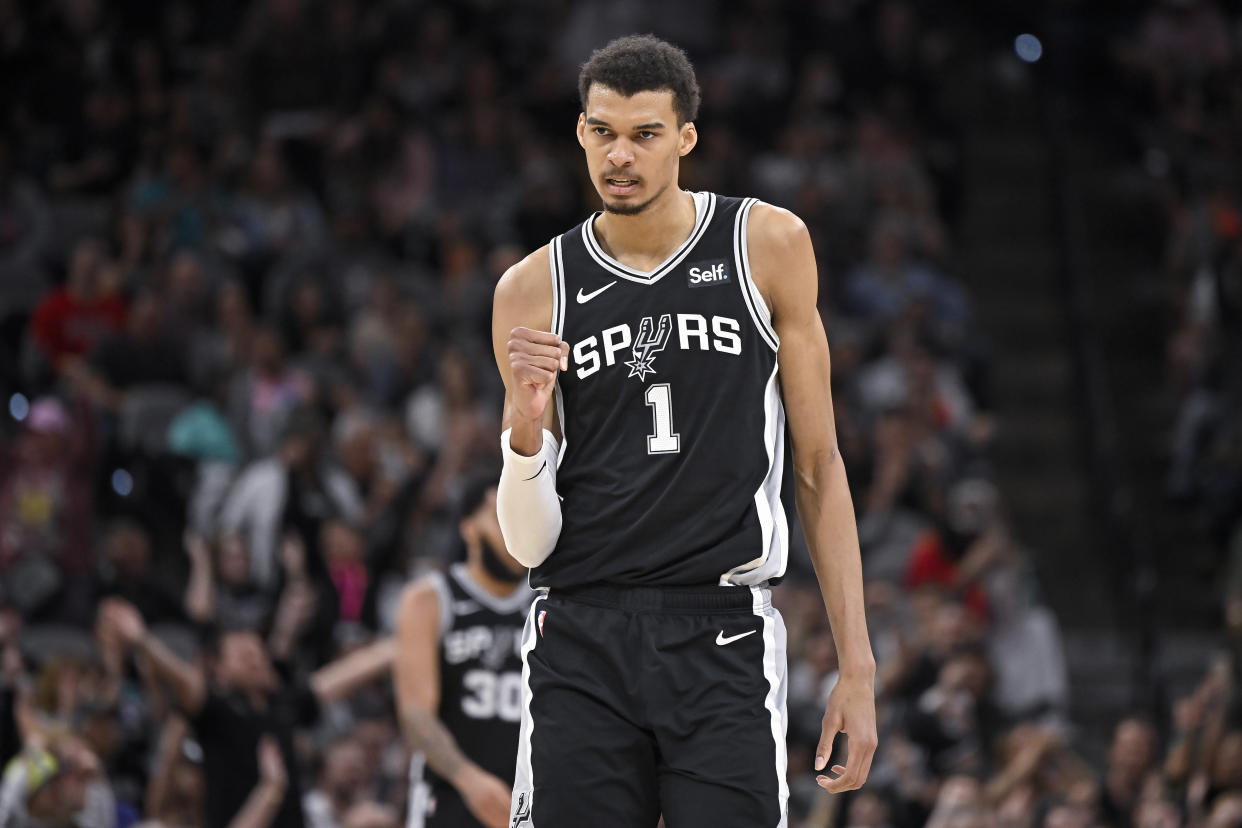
486 796
534 359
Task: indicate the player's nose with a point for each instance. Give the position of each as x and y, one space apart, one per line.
621 154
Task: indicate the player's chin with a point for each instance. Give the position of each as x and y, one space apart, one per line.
624 207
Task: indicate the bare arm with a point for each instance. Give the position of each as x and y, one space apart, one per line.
521 308
158 789
184 679
529 358
297 600
265 798
416 679
342 677
784 270
200 591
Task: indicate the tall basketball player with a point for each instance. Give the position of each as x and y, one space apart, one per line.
651 357
458 676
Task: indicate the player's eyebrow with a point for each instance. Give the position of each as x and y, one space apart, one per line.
597 122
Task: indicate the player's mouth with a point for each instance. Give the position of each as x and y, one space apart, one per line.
621 186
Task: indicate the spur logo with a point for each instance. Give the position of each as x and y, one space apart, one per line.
651 340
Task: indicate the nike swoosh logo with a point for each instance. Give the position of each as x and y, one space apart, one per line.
721 640
464 607
583 298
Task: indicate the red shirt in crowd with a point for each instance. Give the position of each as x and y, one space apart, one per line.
67 325
930 563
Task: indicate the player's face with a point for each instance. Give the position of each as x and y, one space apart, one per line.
633 146
483 529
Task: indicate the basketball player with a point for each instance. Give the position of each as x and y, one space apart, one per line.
458 676
651 357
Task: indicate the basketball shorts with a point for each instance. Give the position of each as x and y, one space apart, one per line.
642 702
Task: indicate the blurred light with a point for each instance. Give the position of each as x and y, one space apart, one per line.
191 750
1028 47
19 407
122 482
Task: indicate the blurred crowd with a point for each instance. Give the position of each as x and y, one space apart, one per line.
1183 66
247 253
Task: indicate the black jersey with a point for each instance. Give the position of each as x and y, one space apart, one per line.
671 467
480 679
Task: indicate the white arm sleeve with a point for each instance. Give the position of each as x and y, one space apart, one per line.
526 501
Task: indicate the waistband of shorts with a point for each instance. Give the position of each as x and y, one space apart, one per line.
687 599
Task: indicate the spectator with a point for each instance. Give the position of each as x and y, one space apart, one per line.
1130 757
272 216
126 555
262 395
101 151
340 787
298 487
244 700
175 206
73 319
175 795
65 785
45 509
145 354
891 284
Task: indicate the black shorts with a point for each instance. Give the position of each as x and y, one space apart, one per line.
639 702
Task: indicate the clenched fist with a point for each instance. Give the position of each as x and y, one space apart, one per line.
534 359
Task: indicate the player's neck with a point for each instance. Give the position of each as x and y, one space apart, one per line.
492 586
647 239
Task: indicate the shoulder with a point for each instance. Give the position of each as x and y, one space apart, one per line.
420 594
528 280
523 296
419 604
215 708
782 260
775 228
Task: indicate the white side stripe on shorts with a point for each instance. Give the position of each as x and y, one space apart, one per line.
774 665
524 780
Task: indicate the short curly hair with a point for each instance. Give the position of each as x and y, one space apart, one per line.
643 63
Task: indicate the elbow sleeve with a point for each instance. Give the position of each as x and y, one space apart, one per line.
526 501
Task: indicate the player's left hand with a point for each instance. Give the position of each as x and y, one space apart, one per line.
486 796
851 710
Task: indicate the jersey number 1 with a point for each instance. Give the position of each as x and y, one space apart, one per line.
665 440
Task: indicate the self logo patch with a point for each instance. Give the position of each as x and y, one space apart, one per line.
706 274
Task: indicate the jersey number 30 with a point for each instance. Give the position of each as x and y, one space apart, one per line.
665 440
492 695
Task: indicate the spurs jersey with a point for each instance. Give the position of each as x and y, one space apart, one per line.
480 688
672 461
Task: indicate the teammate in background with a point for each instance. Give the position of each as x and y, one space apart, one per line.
651 356
458 675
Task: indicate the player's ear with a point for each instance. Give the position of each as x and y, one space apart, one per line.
689 138
582 129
